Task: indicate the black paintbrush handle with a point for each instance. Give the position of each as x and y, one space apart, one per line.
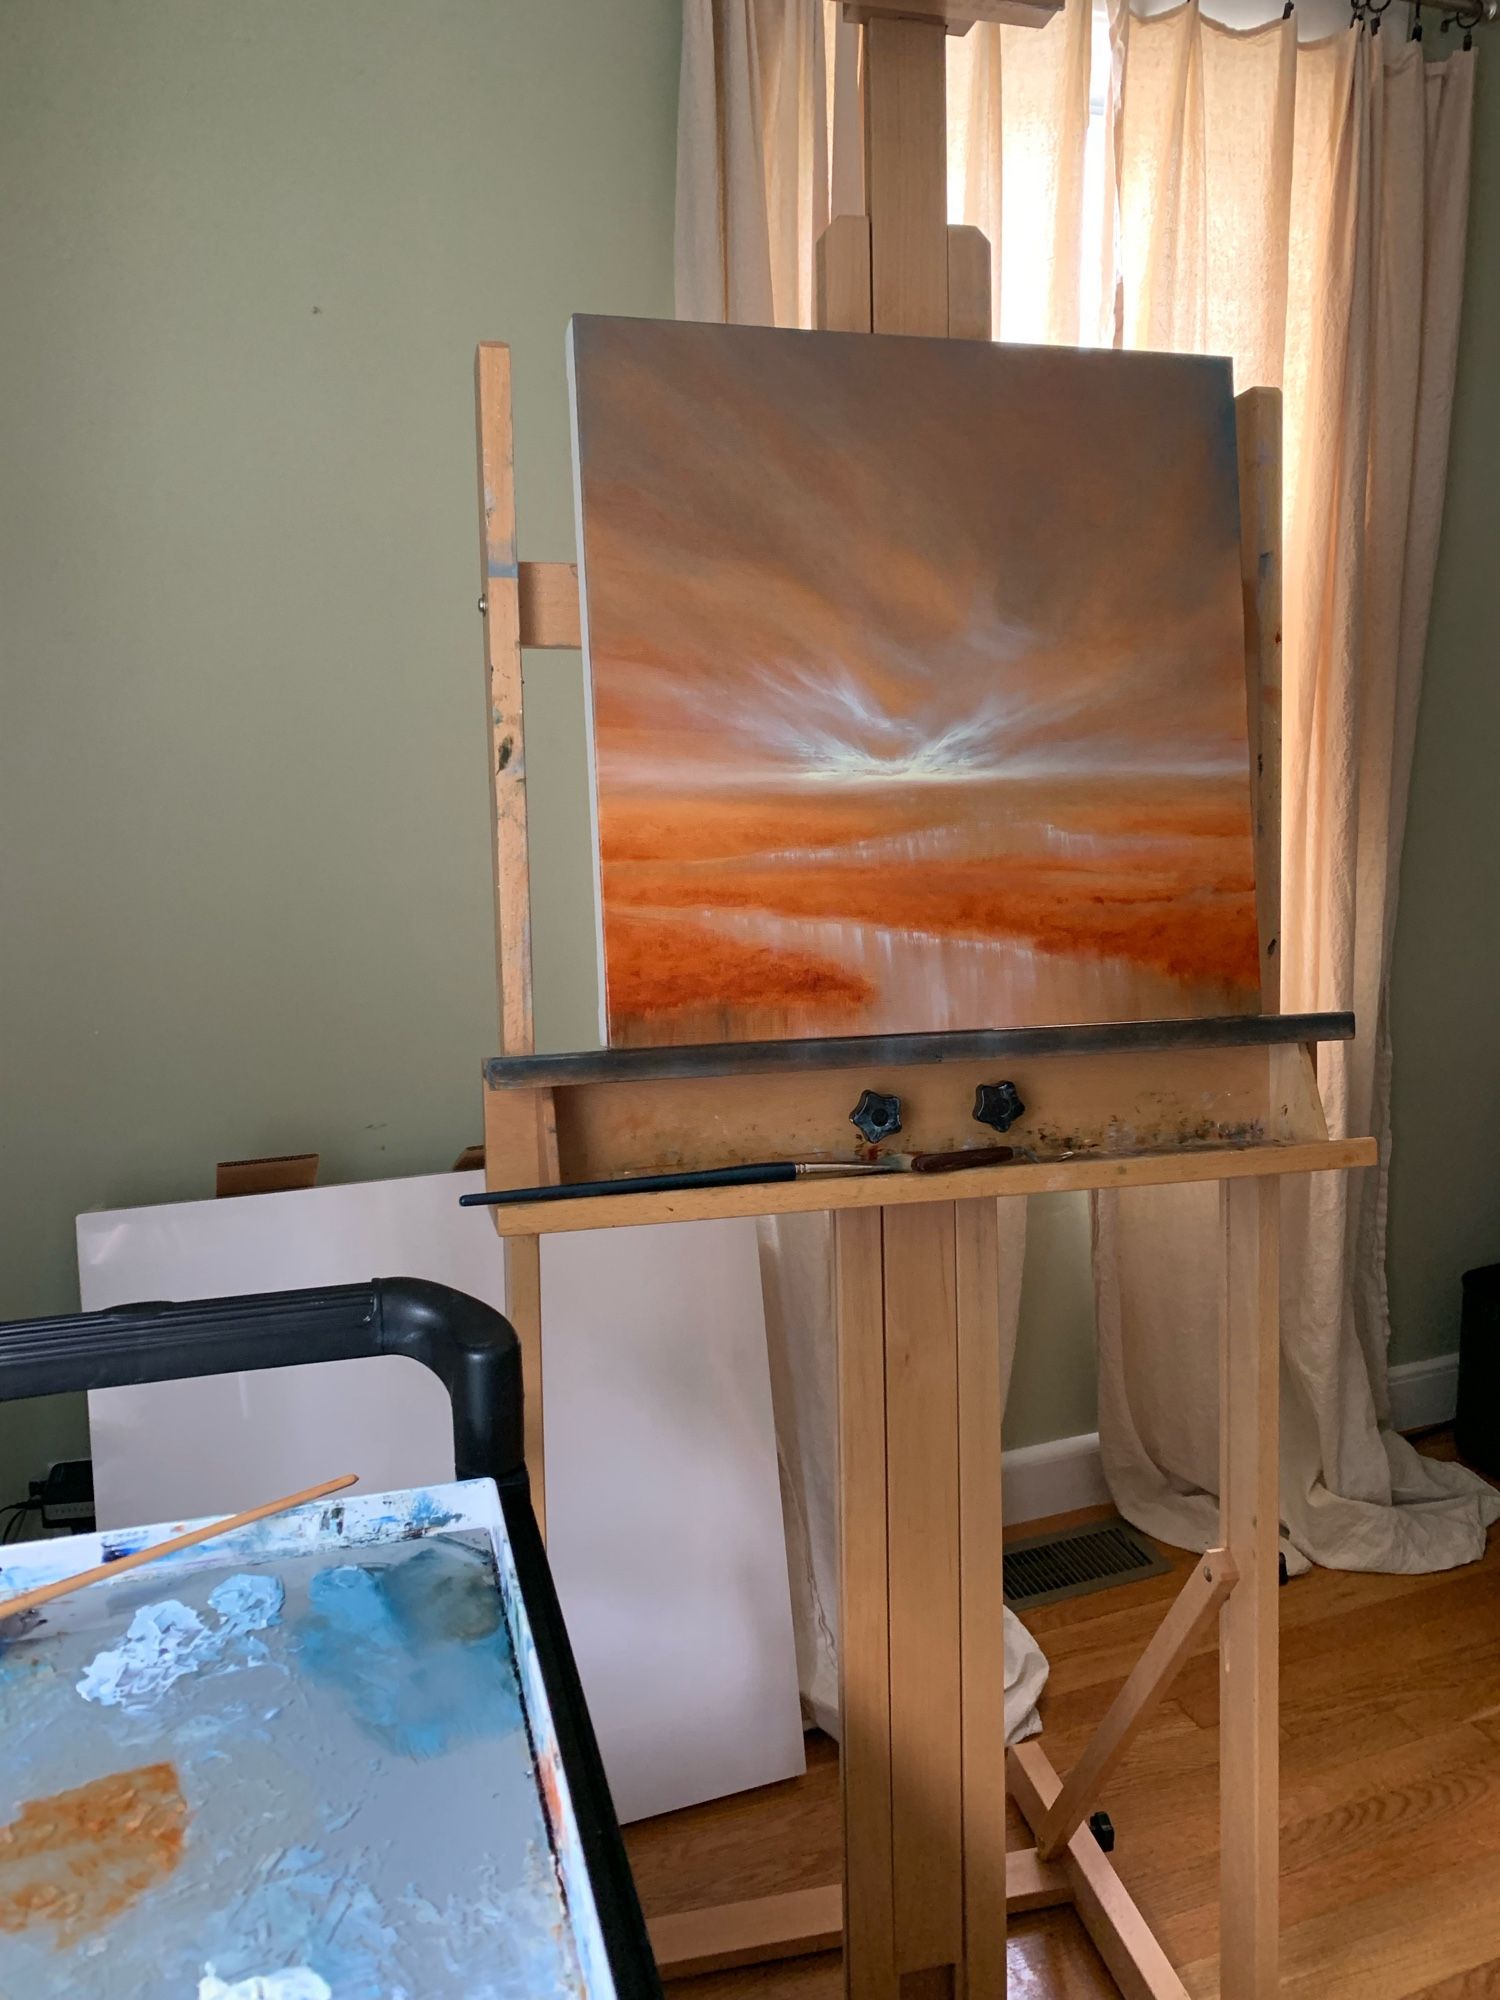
755 1174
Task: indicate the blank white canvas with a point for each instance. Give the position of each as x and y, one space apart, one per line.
178 1449
663 1503
655 1340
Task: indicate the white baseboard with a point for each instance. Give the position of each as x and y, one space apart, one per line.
1056 1477
1053 1478
1424 1392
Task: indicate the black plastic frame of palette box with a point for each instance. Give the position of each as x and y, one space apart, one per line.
474 1352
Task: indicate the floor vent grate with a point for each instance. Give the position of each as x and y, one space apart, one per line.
1042 1569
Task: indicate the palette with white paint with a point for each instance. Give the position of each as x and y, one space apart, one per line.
314 1759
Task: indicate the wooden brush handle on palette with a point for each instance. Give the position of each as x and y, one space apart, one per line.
65 1586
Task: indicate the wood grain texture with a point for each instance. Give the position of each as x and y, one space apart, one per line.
520 1150
968 283
1208 1584
1030 1882
906 174
1296 1110
864 1607
275 1175
843 275
922 1528
1250 1499
893 1191
500 592
981 1410
523 1308
1121 1934
1074 1106
788 1925
549 613
510 849
1258 440
1391 1784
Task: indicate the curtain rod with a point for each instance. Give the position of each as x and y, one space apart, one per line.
1465 14
1462 13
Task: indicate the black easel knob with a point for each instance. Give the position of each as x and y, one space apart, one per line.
877 1115
998 1104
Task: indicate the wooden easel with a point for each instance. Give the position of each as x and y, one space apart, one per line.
927 1882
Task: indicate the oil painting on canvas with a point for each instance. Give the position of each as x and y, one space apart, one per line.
917 683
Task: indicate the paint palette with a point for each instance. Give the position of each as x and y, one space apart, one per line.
314 1760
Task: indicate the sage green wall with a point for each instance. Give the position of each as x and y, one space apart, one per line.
246 254
244 905
1445 1176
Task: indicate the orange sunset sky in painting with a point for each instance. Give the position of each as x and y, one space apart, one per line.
917 674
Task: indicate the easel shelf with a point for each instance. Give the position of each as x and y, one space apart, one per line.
1179 1166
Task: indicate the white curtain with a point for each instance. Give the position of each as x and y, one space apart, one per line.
1301 209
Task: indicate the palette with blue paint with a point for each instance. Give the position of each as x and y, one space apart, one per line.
314 1759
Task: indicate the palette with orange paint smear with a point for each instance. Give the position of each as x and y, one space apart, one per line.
314 1761
916 679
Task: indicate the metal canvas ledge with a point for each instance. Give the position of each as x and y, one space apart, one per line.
655 1065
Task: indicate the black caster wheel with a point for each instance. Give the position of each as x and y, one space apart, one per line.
1102 1827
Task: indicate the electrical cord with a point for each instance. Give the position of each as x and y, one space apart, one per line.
17 1510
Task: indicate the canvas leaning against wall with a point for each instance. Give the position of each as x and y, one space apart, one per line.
917 683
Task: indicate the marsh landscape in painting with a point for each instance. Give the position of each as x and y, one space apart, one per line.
917 683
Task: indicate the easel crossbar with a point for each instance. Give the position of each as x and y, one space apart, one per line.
1208 1584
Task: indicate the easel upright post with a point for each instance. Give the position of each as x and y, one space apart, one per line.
1250 1347
924 1702
927 1878
525 1141
1249 1527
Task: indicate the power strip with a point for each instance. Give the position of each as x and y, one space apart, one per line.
66 1496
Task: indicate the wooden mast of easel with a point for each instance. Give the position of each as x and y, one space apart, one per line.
516 607
922 1650
927 1880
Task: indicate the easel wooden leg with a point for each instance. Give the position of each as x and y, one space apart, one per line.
1121 1935
1241 1578
921 1359
523 1308
922 1644
1200 1597
981 1407
864 1614
1249 1527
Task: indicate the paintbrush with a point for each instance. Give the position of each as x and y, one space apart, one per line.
65 1586
755 1173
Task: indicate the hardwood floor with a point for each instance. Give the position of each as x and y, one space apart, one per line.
1390 1800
